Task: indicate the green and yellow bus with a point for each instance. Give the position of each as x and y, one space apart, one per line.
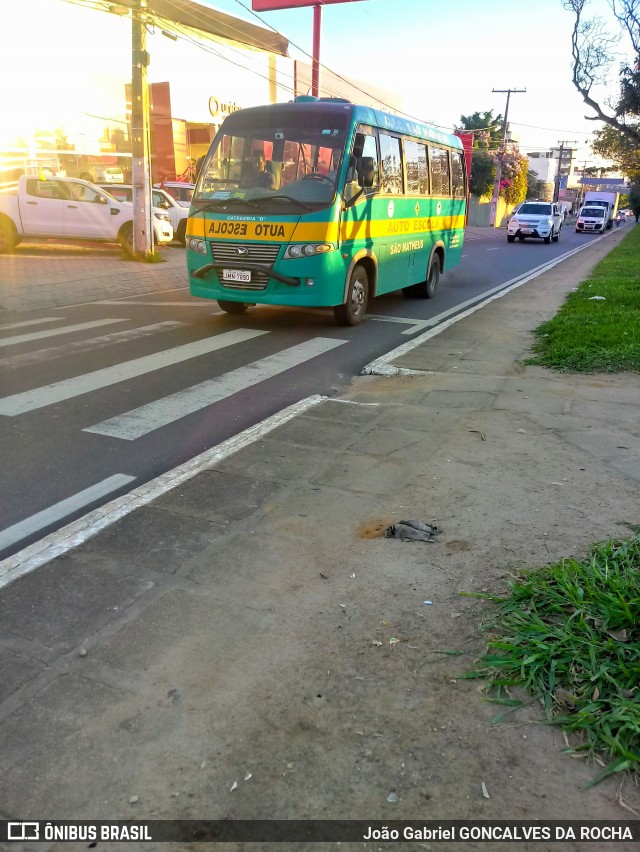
322 203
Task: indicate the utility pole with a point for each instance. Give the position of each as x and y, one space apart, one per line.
496 183
556 191
140 143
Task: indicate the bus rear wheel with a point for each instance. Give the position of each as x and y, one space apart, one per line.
426 289
353 310
233 307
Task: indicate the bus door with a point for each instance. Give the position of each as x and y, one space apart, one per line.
357 231
395 220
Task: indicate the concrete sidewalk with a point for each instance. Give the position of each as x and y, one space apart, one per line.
249 645
49 275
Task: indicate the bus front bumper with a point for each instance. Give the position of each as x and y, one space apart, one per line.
251 267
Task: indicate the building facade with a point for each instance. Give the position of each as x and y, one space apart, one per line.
72 108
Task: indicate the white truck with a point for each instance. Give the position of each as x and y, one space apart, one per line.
70 208
608 200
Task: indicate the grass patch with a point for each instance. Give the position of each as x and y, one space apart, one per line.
593 336
569 633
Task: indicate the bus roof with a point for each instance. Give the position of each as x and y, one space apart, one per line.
366 115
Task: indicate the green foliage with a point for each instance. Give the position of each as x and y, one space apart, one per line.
535 186
634 198
590 335
570 634
483 172
514 178
489 127
624 152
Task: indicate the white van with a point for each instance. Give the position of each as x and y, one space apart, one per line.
591 219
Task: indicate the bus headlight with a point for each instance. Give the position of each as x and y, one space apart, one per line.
196 244
307 250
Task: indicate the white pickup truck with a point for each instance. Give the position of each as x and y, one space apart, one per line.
70 208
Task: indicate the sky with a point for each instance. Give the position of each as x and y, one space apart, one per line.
446 56
441 57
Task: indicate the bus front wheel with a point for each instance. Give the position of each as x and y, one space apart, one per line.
355 306
233 307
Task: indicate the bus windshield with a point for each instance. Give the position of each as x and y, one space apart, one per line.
274 156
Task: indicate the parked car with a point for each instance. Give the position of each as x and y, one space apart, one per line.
179 190
539 219
591 220
102 174
177 212
71 208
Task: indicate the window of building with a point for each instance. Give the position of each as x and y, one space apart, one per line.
440 177
391 165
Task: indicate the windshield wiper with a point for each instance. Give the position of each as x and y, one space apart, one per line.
283 198
222 202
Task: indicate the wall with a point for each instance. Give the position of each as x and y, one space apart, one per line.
480 211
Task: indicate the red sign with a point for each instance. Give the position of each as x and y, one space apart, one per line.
273 5
466 138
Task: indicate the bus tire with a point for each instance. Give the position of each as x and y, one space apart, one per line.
427 289
8 235
232 307
353 310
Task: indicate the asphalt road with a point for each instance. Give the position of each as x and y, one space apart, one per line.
98 398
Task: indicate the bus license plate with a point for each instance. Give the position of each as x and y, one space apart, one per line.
236 275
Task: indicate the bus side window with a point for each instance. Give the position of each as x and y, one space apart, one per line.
370 155
411 165
440 177
391 164
457 175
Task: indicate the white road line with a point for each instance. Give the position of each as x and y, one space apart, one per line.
53 332
20 403
77 532
140 421
15 361
29 322
383 367
193 304
17 532
416 324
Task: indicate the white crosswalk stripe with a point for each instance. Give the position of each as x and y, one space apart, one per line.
31 400
89 345
25 323
52 332
148 418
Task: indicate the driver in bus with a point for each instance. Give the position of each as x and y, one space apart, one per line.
257 174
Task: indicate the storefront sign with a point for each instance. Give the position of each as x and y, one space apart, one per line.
221 110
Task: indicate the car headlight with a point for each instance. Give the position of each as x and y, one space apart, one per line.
162 216
307 249
196 244
549 223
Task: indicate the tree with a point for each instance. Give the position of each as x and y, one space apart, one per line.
489 128
592 50
483 172
613 145
514 178
535 186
